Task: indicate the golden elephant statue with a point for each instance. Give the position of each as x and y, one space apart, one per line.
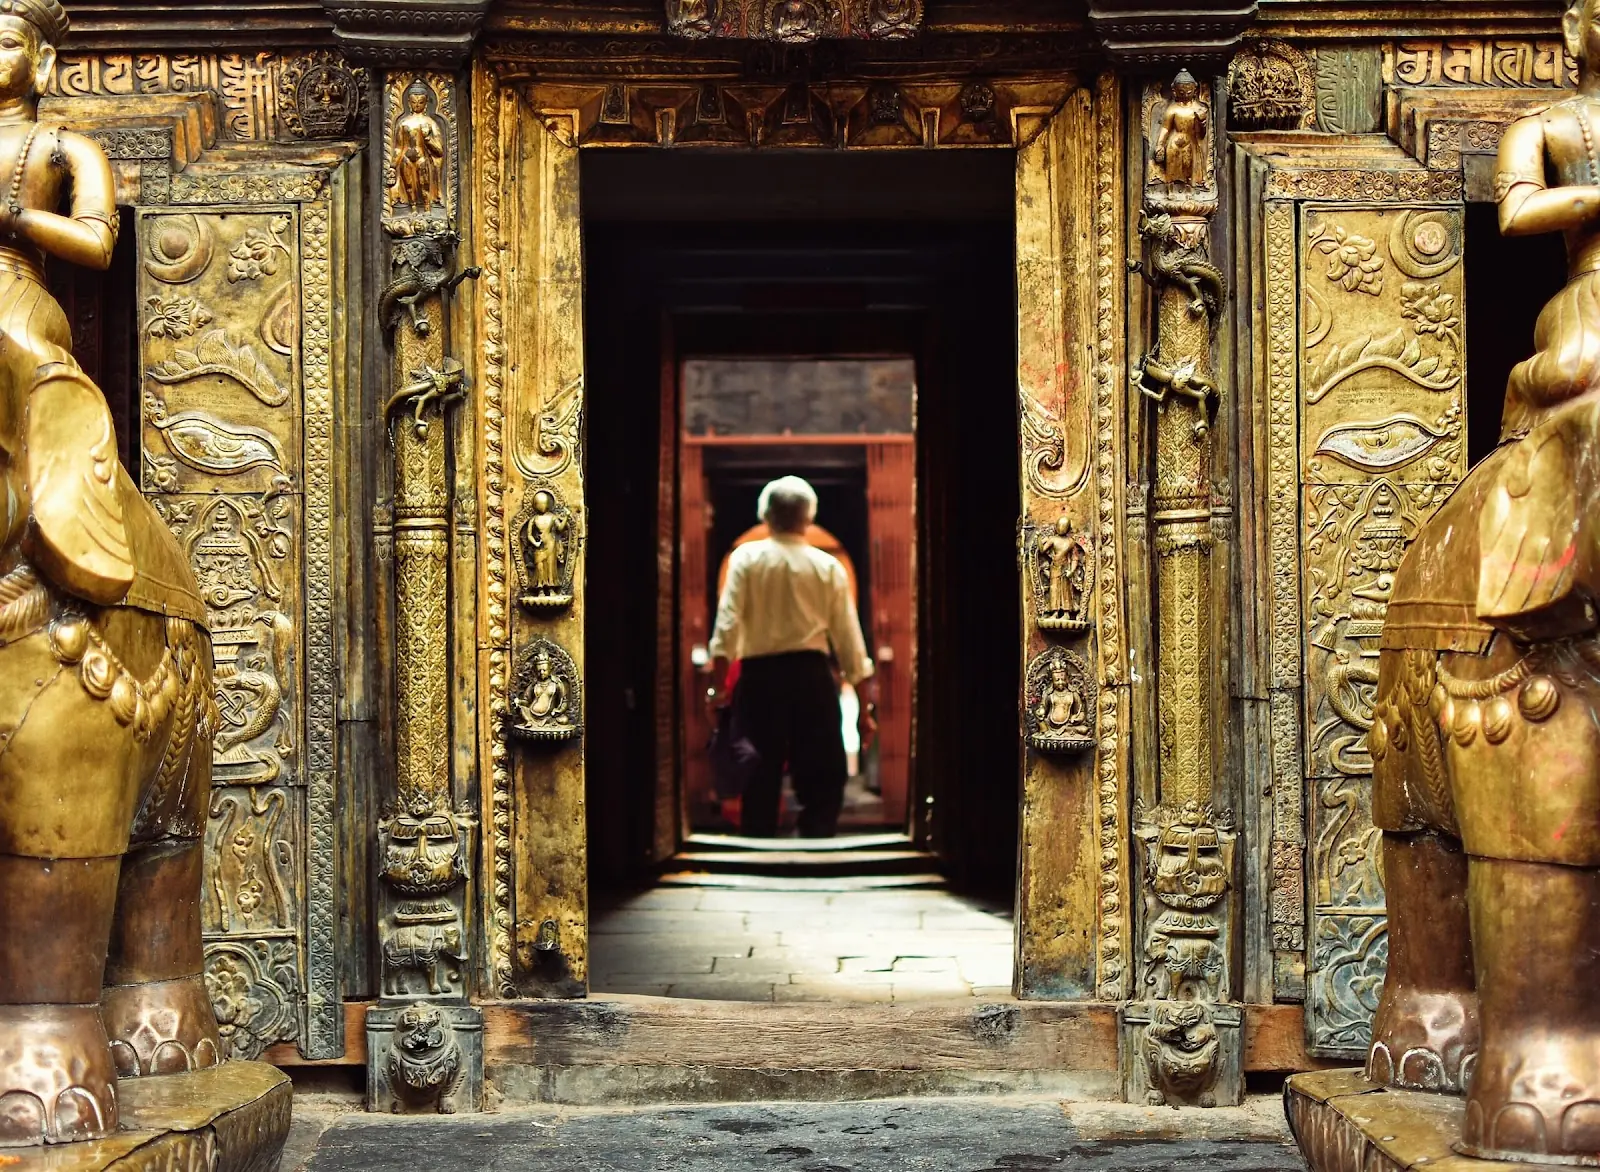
1486 732
106 704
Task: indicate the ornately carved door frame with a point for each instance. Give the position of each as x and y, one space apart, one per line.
1074 927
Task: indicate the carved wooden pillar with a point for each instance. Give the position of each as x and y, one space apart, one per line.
1187 1041
424 1042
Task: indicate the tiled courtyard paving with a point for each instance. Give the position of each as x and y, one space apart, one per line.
727 944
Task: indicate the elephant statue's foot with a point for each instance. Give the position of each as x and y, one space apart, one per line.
162 1027
57 1081
1425 1035
1536 1099
1424 1041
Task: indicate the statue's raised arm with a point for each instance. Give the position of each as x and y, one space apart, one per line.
45 163
1547 179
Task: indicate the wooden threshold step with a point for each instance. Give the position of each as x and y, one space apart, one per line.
626 1049
635 1049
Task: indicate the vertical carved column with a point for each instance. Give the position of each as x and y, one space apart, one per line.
424 1043
1184 1045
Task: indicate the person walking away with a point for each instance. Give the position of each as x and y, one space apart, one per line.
784 606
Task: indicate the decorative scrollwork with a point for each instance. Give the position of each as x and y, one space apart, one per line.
180 317
794 22
217 354
211 446
180 249
254 988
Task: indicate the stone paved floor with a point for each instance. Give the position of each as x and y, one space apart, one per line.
908 1135
725 944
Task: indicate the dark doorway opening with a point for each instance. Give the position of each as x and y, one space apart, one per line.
711 256
1508 281
847 427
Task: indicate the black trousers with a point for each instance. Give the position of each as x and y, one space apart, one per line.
788 707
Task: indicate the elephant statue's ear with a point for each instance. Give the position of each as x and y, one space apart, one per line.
78 535
1534 576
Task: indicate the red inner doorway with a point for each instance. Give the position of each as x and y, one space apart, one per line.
748 421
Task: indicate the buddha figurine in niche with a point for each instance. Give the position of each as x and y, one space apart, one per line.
1060 713
1062 565
544 708
1180 149
418 155
546 536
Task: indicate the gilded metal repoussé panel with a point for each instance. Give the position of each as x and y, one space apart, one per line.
1382 443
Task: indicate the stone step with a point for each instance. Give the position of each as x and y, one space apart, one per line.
805 862
827 883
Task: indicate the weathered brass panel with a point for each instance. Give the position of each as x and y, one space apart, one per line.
1074 867
1354 536
246 553
530 382
1382 344
219 299
1382 442
255 860
235 359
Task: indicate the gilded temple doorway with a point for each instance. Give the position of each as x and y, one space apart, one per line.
991 267
763 273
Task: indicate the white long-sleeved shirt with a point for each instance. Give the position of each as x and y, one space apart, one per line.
782 595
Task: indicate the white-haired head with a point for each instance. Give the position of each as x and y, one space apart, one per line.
788 505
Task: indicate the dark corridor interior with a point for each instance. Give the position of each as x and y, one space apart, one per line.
714 255
1508 282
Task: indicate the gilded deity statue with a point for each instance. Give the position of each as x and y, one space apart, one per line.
544 708
1180 146
418 155
689 18
1061 562
546 536
1060 713
106 706
1486 733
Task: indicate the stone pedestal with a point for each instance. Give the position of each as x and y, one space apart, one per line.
1343 1123
229 1118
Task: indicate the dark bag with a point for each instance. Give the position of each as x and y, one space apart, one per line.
733 757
